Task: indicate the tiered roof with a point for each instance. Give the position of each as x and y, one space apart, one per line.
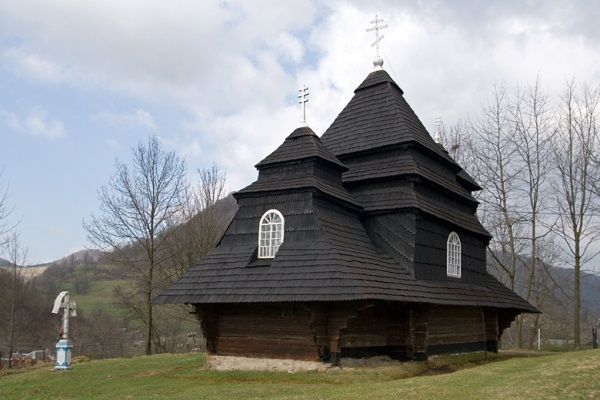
331 252
301 146
378 117
379 137
326 256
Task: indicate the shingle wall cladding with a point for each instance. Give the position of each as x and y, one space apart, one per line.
430 252
408 193
300 174
395 234
407 160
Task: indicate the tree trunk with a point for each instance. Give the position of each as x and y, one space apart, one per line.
577 296
13 299
534 330
12 333
520 331
149 324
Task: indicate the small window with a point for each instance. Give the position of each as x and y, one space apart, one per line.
270 234
453 255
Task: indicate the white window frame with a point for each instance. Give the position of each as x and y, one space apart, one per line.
270 235
453 255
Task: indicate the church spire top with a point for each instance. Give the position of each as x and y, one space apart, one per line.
378 61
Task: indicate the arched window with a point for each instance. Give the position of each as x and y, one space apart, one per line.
270 234
453 255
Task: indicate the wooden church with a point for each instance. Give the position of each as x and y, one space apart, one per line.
362 242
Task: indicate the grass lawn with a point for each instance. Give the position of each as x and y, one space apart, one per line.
574 375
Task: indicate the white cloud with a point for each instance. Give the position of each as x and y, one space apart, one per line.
444 68
289 47
35 123
114 144
136 117
196 54
234 66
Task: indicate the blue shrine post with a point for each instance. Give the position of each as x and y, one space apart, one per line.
64 346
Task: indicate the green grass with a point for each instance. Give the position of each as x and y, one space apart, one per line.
574 375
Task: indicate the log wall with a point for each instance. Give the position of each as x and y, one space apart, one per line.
265 330
376 329
328 331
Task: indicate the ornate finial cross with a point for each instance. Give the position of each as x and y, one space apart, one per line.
303 99
378 62
439 128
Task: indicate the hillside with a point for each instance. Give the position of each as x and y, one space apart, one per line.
79 258
564 376
84 257
91 285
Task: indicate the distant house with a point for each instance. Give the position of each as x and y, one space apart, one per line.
362 242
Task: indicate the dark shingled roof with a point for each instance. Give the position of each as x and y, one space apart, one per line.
404 164
350 236
377 116
304 150
378 137
465 177
287 183
300 144
336 262
401 197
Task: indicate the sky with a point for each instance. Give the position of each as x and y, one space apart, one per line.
82 82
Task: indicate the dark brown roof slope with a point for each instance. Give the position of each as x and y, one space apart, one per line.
405 163
326 256
471 183
301 162
377 116
303 182
300 144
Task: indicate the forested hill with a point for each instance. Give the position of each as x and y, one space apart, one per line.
552 292
590 287
79 258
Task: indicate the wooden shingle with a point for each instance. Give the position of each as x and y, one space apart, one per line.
367 210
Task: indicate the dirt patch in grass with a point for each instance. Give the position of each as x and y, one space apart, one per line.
382 365
230 363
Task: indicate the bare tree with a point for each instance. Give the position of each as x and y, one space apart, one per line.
202 221
4 211
456 141
211 187
136 209
200 224
574 147
16 256
494 153
533 123
548 294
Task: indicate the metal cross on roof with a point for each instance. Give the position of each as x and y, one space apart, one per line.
303 99
439 127
378 62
